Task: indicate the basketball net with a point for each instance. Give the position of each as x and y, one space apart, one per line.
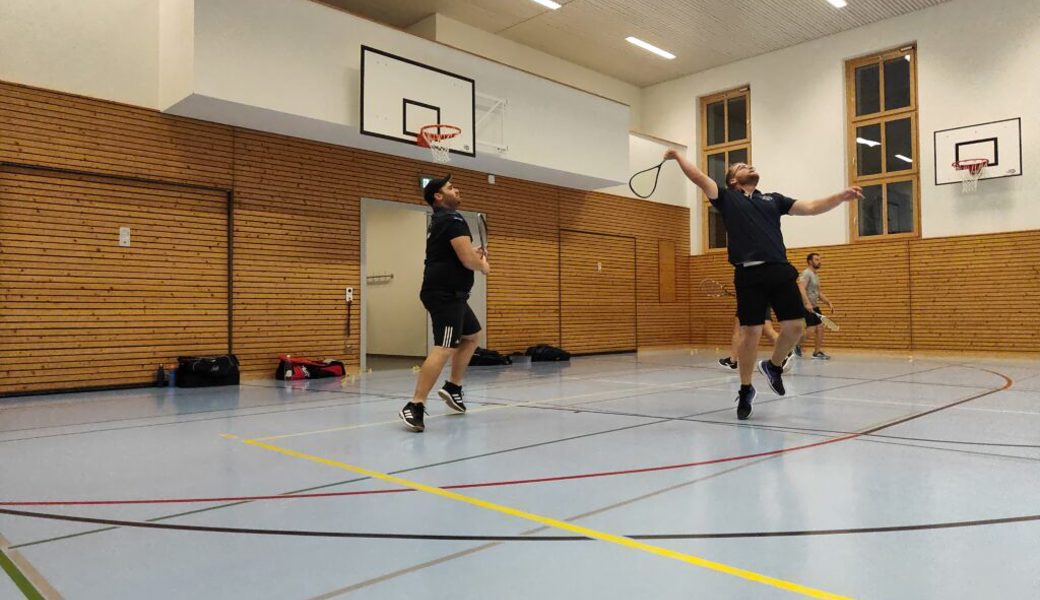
438 139
971 170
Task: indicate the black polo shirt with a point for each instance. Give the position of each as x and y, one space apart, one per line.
444 271
753 224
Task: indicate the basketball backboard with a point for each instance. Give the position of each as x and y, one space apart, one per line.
999 142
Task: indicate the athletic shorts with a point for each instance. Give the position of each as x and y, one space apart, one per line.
769 285
811 320
767 317
451 315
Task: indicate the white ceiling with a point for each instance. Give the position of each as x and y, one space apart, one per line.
701 33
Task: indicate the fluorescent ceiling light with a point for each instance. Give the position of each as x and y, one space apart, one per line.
650 47
834 3
867 142
548 3
904 159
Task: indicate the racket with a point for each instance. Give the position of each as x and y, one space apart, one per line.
644 183
482 231
713 288
827 322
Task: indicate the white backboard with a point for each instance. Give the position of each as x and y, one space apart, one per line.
999 142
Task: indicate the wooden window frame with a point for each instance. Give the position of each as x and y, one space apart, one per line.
882 117
725 147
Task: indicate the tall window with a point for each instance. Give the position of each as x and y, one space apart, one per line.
882 140
725 139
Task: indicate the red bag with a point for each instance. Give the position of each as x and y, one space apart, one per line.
292 368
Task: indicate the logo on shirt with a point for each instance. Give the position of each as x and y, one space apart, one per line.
767 197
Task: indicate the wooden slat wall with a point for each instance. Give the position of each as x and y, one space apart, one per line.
598 291
77 309
960 293
296 224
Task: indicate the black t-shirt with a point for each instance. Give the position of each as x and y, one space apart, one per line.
444 271
753 224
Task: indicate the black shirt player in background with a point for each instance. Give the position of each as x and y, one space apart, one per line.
763 277
451 260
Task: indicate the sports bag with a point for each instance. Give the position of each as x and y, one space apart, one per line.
205 371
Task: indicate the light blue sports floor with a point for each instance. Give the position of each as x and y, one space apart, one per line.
612 477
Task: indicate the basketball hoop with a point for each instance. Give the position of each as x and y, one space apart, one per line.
971 169
436 138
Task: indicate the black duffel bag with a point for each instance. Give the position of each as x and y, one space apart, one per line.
204 371
482 357
547 353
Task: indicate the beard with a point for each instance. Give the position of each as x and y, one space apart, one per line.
748 179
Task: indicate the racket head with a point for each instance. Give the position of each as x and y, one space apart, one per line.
828 322
644 183
714 289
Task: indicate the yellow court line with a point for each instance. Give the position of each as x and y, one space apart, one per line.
283 436
565 526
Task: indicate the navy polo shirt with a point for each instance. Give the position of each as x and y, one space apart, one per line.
753 224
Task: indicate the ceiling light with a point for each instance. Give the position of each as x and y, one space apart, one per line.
867 142
650 47
548 4
837 3
904 159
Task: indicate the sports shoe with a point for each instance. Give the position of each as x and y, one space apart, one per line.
798 350
773 376
788 362
452 396
728 363
412 415
820 356
744 399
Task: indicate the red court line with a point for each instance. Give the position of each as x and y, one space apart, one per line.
1008 382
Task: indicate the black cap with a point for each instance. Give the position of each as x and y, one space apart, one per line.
434 186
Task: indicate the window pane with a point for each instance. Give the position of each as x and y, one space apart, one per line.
868 90
717 167
898 147
869 211
737 118
897 82
716 123
716 229
901 207
868 149
737 156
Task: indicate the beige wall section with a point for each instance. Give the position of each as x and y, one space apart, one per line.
482 43
970 54
395 244
102 48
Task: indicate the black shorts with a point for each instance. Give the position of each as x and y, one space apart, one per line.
811 320
760 287
451 315
766 317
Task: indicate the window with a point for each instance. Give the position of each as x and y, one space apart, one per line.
883 147
725 139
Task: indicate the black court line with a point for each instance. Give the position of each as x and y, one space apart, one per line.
519 538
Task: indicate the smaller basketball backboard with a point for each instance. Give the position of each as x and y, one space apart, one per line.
998 142
399 96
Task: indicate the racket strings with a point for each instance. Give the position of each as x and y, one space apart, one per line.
644 183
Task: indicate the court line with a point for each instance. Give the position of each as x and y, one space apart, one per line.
550 522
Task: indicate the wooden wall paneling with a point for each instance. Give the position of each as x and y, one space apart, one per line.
296 250
53 129
598 292
976 293
711 319
666 270
93 312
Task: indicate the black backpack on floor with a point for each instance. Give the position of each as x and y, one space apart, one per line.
483 357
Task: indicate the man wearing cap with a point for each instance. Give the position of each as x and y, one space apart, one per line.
451 260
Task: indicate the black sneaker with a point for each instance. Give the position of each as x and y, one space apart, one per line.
412 415
727 363
744 399
798 350
773 376
452 396
821 356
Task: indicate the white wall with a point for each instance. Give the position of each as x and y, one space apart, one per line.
645 152
482 43
103 48
976 63
395 243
